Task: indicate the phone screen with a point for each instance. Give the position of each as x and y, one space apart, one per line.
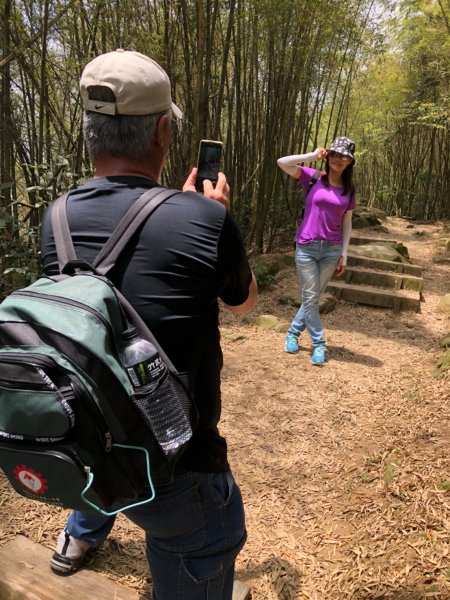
209 160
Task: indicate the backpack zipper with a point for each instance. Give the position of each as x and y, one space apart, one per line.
73 303
23 385
38 360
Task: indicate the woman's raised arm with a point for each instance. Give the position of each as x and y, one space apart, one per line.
291 164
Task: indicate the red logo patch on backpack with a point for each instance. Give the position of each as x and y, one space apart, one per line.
34 481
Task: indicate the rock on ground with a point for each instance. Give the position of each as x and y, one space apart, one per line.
445 342
367 217
327 303
271 322
444 305
378 251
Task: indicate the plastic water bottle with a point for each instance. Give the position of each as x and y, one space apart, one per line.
157 394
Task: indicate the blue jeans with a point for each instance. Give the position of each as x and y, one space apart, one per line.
316 263
194 528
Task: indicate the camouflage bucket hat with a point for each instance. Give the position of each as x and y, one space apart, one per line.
343 145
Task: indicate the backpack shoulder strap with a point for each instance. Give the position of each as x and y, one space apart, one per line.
314 179
65 250
138 212
135 216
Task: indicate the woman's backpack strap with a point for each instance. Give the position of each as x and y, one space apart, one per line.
314 179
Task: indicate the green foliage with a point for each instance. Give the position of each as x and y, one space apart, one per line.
266 267
443 364
287 301
246 72
400 114
389 473
265 277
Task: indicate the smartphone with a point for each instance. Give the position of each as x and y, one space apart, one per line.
208 163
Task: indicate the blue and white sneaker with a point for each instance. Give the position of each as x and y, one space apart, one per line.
319 356
291 344
69 555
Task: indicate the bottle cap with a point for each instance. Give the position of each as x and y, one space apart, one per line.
130 333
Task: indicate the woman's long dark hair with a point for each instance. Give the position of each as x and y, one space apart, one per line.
347 178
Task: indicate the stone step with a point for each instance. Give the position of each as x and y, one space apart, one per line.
359 240
384 265
441 259
373 296
398 281
25 575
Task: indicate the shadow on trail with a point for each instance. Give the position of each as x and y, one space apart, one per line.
437 280
342 354
388 325
284 579
286 583
146 594
406 328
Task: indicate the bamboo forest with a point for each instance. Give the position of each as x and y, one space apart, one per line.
267 77
306 322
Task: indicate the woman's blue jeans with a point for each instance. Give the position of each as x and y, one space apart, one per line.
195 529
316 263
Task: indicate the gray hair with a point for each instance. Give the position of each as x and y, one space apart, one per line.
120 135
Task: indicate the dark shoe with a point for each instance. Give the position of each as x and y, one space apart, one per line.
69 554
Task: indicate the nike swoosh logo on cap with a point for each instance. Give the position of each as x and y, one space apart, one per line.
98 106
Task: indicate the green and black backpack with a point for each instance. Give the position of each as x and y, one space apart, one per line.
70 432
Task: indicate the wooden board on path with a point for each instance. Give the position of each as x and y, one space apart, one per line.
25 575
241 591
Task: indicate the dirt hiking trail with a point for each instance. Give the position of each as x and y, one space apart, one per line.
344 470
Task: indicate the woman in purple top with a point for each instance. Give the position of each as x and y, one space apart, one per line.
323 235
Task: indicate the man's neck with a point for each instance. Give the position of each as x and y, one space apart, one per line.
113 166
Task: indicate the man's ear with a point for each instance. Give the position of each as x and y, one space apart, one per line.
163 129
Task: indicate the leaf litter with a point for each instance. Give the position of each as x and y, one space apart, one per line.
344 470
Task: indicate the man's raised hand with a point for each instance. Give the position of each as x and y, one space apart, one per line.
221 191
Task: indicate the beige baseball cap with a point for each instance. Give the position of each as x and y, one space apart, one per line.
139 85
